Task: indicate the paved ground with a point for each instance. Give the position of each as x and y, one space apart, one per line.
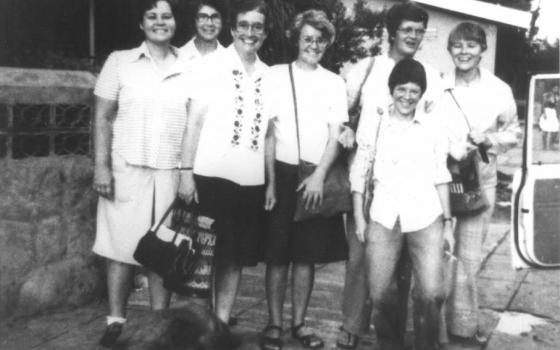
521 309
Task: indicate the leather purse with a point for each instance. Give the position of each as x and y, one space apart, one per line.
465 193
336 187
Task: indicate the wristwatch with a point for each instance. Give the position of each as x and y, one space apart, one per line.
444 219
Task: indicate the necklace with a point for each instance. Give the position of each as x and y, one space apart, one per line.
256 128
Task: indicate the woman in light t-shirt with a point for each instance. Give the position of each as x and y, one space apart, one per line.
321 104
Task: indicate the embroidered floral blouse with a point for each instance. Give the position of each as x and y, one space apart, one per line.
231 144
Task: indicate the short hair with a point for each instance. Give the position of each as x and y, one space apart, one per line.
218 5
315 18
467 31
408 70
408 11
242 6
146 5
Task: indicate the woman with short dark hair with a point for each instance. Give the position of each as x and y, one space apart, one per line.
140 115
411 195
209 17
321 105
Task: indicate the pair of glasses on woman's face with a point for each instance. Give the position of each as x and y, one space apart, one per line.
309 40
203 17
409 31
245 27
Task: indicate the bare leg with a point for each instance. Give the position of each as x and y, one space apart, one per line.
227 281
159 296
303 276
276 284
119 282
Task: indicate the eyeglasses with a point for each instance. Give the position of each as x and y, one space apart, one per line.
309 40
409 31
203 17
245 27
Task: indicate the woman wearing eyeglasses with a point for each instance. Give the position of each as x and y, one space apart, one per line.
225 145
208 22
321 105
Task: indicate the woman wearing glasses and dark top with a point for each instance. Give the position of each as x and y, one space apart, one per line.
140 117
224 148
208 22
489 107
321 104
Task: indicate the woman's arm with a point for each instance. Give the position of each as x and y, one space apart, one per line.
269 157
105 111
313 185
196 113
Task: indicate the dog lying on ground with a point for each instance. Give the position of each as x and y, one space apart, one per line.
192 327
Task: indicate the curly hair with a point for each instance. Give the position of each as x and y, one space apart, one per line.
315 18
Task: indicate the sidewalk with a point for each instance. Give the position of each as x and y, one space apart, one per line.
521 309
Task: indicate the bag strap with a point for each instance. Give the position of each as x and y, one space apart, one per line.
481 149
295 109
358 98
165 215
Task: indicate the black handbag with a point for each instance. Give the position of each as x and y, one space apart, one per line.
337 196
465 194
190 272
154 253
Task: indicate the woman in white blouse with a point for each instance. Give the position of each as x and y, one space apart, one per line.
140 115
491 111
411 193
321 104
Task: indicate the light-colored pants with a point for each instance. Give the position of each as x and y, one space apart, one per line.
462 304
425 248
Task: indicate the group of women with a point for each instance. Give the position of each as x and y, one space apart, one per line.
217 126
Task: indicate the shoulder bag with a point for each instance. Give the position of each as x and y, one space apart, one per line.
336 188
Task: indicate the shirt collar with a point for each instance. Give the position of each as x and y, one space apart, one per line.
235 62
449 78
190 51
142 51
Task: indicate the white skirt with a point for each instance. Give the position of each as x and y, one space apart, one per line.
123 221
548 122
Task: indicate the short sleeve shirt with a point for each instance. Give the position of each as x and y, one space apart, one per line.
191 53
321 101
151 115
231 144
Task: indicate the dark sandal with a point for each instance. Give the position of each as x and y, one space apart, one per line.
350 342
271 343
310 340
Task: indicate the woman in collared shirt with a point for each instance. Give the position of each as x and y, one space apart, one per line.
208 21
490 108
411 192
140 115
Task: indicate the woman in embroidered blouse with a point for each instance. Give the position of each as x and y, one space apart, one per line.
411 192
490 108
140 114
225 143
321 104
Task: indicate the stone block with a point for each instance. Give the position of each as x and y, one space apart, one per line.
70 282
78 178
50 242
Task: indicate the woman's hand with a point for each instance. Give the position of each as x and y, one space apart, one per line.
361 224
103 181
347 137
478 137
312 188
187 187
270 197
448 237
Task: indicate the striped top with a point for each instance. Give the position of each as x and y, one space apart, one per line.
151 115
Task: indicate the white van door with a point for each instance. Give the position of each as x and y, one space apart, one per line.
536 187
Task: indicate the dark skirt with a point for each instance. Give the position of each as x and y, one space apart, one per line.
314 241
238 214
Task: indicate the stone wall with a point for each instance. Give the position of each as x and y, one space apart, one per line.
47 218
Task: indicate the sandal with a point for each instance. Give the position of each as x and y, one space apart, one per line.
272 343
347 340
307 339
